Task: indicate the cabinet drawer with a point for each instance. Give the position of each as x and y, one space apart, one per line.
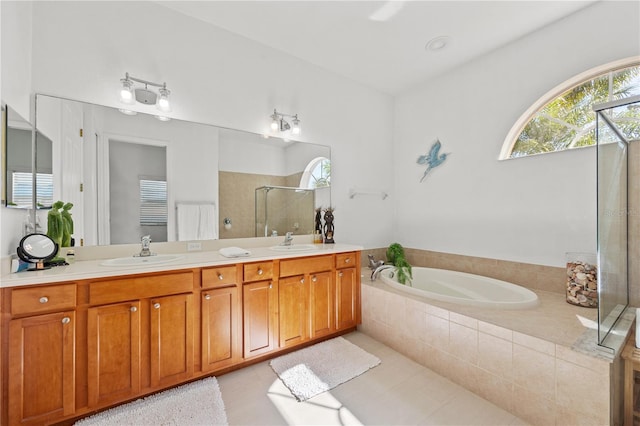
119 290
258 271
41 299
219 277
345 260
292 267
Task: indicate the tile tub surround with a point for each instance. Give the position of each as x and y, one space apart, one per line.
519 360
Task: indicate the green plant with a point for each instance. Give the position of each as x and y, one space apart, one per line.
60 223
396 257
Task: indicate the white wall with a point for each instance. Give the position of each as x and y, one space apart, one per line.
531 209
15 47
82 49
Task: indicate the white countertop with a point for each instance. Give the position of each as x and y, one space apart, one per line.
87 269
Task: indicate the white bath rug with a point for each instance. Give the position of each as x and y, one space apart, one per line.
197 403
318 368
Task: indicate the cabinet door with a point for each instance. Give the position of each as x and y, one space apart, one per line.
221 330
293 299
171 338
346 298
41 368
113 346
260 304
321 292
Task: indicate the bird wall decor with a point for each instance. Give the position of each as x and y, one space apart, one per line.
433 159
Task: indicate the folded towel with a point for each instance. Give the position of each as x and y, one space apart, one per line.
234 252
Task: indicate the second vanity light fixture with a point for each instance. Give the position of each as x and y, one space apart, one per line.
279 123
130 94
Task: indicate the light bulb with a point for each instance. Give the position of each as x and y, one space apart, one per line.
274 124
126 92
163 103
295 129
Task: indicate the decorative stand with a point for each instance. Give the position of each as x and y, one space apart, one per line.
328 226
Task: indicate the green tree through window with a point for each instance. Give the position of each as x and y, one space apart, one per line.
568 121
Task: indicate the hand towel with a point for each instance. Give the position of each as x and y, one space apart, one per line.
234 252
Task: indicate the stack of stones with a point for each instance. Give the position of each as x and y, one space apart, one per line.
582 284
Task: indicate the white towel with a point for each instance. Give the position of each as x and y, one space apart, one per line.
234 252
197 222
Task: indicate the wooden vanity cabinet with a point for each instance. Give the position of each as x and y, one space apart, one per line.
306 308
260 308
41 357
347 290
221 317
139 335
75 347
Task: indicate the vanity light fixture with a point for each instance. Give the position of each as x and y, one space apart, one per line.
130 94
279 123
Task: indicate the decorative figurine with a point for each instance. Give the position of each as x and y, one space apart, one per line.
433 159
317 234
328 226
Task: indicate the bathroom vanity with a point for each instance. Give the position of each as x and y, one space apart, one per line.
79 341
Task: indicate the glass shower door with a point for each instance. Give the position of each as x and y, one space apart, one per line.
612 127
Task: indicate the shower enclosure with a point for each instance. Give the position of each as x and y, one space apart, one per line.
617 124
281 209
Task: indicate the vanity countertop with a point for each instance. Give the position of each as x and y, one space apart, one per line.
87 269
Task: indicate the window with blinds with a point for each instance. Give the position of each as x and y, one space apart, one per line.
22 189
153 202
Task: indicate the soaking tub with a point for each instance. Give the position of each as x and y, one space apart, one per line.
463 288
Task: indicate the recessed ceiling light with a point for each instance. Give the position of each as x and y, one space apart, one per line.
437 43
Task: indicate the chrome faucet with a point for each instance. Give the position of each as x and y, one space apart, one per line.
146 246
373 264
379 269
288 239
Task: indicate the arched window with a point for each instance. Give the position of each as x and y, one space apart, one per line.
564 118
317 174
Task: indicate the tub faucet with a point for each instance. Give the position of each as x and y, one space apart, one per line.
288 238
373 264
146 246
379 269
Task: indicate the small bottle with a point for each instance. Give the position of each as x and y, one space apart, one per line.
317 238
71 256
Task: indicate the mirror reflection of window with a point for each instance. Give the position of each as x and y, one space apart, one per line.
153 202
317 174
22 189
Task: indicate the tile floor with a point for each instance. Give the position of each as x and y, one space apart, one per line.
398 391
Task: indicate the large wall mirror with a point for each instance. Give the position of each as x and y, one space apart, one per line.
134 175
20 158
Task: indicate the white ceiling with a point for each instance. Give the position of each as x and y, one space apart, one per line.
381 44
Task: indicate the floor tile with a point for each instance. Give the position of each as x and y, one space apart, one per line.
399 391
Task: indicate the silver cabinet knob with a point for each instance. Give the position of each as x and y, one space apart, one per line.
66 320
260 271
220 277
314 278
44 299
301 280
156 305
271 285
347 260
207 297
133 309
340 274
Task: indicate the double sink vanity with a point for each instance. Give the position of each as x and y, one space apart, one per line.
83 337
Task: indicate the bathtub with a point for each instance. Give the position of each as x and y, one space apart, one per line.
463 288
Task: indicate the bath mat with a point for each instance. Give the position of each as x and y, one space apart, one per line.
318 368
197 403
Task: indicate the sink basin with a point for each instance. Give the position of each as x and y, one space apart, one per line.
294 247
141 261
